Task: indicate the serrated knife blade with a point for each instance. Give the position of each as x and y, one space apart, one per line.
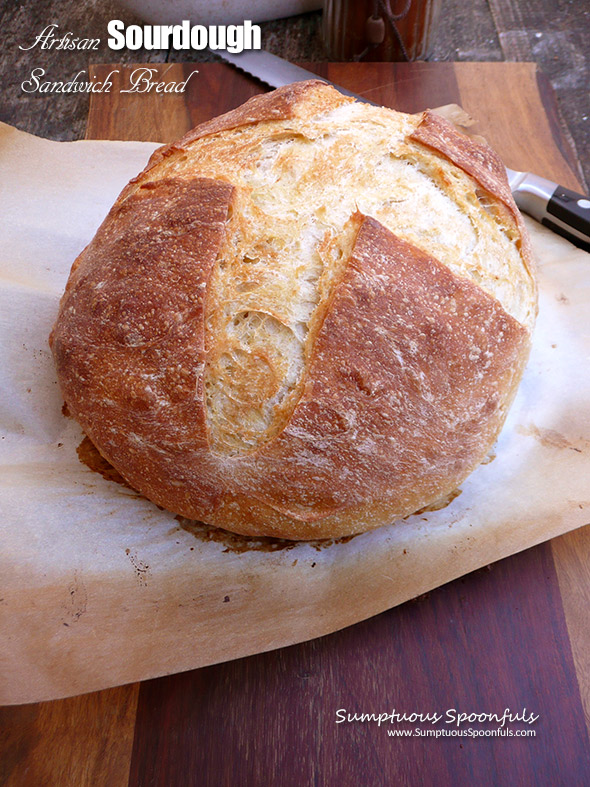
276 72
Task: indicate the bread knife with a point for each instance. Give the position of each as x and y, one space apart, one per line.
561 210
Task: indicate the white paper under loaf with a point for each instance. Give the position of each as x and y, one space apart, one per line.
100 587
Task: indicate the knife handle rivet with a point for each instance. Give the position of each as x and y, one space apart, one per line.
584 203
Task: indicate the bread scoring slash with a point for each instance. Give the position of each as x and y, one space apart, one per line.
305 319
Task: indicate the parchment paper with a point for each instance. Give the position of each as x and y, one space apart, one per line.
99 587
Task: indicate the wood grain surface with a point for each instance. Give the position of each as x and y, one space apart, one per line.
513 636
485 641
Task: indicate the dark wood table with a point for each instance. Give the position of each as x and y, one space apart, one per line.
514 635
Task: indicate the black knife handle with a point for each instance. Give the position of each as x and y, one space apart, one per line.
561 230
573 210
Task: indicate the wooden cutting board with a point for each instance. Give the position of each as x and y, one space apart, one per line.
511 102
521 627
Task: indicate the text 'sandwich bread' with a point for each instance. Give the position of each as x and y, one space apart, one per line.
305 319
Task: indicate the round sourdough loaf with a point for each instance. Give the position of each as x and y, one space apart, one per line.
305 319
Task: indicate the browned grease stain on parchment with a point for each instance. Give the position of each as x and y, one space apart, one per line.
237 543
141 569
550 438
74 604
438 504
88 454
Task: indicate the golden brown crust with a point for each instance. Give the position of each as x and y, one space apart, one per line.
299 99
408 372
478 160
129 338
473 156
412 374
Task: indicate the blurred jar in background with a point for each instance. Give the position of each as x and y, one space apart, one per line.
379 29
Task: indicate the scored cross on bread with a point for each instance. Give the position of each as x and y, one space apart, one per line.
305 319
